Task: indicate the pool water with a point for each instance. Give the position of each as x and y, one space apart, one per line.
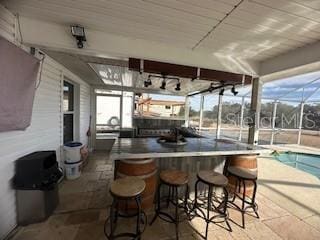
306 162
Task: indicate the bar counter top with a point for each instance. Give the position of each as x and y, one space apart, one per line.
137 148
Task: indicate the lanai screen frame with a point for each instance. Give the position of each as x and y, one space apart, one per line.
245 95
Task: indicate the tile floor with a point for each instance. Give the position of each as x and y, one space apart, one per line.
84 204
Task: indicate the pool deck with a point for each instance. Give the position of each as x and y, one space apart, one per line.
288 199
294 148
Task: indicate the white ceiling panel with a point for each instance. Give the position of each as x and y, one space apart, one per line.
255 30
291 7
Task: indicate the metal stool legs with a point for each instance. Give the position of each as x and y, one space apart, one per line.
115 214
173 198
203 210
250 204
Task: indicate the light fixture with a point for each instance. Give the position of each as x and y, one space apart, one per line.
79 34
148 82
233 90
221 92
178 87
163 84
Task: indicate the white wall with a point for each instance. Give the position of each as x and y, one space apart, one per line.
46 130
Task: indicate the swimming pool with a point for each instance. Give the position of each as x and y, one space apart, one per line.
306 162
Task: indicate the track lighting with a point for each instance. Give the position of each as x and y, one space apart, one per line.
233 90
163 84
164 78
221 92
148 82
178 87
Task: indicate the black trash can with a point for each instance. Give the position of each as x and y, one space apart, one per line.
36 183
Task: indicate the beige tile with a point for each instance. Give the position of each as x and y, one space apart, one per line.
235 216
220 234
49 233
239 233
259 231
294 190
290 227
267 209
73 186
313 221
35 226
91 176
83 217
156 231
101 185
27 235
106 175
60 233
57 220
104 213
100 199
73 202
91 231
104 167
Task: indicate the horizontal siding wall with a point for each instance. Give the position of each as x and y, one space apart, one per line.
84 110
46 129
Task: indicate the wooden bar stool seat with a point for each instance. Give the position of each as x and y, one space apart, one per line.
213 178
128 187
243 173
174 180
174 177
125 189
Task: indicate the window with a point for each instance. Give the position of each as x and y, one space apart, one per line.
68 112
113 110
168 107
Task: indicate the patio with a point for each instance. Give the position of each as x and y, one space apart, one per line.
285 213
131 89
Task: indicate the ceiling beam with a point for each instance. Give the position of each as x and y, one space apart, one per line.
57 37
302 60
184 71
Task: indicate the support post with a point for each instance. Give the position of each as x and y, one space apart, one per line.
300 122
241 119
274 115
186 112
218 130
255 111
201 111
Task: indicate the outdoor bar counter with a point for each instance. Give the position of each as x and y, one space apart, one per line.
137 148
145 157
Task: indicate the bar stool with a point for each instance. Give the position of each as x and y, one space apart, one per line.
212 203
125 189
242 175
174 179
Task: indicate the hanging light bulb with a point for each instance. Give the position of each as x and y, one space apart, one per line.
178 87
163 84
233 90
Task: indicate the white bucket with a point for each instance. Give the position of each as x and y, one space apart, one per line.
72 152
73 170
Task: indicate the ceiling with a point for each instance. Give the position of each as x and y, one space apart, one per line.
79 64
114 74
255 29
